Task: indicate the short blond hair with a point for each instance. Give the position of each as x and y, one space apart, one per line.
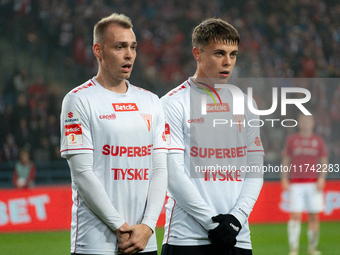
101 26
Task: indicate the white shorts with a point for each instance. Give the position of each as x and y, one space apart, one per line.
305 197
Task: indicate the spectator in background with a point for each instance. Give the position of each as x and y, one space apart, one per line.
21 81
24 171
23 134
20 111
37 90
9 149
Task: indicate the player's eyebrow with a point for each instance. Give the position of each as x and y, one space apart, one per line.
219 51
125 44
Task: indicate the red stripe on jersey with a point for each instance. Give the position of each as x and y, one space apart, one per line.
172 211
188 83
75 242
93 82
77 149
176 149
160 148
255 150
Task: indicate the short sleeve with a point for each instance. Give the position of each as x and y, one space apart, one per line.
159 140
288 149
322 148
173 125
254 143
75 127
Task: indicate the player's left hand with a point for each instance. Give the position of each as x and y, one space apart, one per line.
139 237
223 237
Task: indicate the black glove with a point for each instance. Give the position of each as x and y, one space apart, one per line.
223 237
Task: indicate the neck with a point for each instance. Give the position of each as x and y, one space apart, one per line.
114 85
205 83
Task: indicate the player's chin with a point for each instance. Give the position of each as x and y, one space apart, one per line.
126 75
220 80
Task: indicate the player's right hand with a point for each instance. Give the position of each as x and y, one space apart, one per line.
121 234
140 235
223 237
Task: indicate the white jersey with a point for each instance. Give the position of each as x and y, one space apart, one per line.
122 131
219 189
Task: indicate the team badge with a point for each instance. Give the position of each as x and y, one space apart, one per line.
148 120
167 134
257 141
240 121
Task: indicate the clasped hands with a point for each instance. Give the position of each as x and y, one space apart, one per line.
134 238
223 237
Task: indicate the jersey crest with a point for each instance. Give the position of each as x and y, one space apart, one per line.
257 141
239 119
148 120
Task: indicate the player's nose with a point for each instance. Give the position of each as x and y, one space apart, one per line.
129 53
226 61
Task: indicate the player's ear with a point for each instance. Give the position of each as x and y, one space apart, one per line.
197 53
97 51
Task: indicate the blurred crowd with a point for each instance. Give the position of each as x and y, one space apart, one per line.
29 117
279 39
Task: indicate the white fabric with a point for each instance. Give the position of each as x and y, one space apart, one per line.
250 191
97 199
305 197
313 239
157 190
294 230
92 191
123 132
186 193
187 224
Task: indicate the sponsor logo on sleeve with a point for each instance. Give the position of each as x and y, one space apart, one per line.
73 134
167 134
257 141
148 120
125 107
72 117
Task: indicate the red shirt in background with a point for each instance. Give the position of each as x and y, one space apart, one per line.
303 151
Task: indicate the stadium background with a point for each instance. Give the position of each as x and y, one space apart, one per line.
46 50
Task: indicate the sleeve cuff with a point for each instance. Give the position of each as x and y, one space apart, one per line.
210 225
240 216
118 224
150 223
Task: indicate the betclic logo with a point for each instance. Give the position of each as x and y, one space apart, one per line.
73 129
125 107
